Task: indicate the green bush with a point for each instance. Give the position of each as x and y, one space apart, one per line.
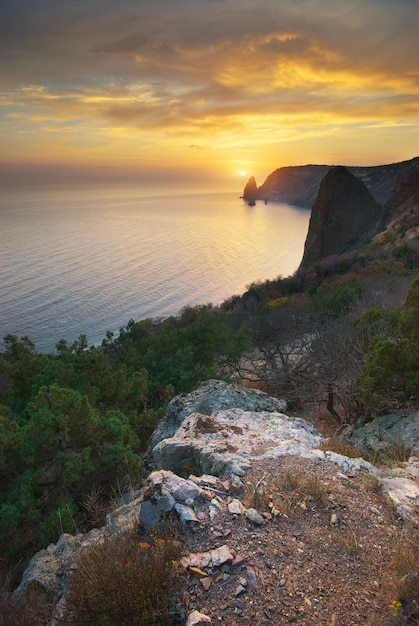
391 371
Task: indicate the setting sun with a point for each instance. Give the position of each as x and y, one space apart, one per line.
147 100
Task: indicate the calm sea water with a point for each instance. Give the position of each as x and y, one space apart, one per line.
73 263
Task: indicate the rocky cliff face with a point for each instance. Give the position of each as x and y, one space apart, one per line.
345 213
299 185
403 205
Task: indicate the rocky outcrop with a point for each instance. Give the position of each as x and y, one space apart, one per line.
386 431
211 396
403 205
250 192
344 214
299 185
208 444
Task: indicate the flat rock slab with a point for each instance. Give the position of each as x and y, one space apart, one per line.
211 396
212 558
405 496
226 441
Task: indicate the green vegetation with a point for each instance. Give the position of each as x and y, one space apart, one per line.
74 425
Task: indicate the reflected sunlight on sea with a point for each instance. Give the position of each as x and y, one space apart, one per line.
76 263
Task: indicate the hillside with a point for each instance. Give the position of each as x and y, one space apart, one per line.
235 504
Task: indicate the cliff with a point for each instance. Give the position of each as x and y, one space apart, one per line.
300 184
344 214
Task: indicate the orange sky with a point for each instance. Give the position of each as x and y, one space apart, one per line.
204 92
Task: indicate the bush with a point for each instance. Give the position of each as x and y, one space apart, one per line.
125 581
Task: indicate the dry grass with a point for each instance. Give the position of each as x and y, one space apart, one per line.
33 609
405 565
126 581
391 456
294 493
340 447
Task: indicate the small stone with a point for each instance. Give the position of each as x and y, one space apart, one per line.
198 619
251 577
334 520
239 590
186 514
239 559
198 572
221 555
253 516
236 507
206 583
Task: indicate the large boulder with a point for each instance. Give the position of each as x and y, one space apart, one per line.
211 396
385 431
344 214
227 441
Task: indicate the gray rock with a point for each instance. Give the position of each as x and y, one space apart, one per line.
235 507
186 513
151 511
179 488
386 431
165 492
211 396
253 516
405 496
226 441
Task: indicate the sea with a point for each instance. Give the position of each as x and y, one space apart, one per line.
80 261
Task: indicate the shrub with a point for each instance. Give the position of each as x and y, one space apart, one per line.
126 581
406 574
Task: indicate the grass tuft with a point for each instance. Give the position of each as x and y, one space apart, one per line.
124 581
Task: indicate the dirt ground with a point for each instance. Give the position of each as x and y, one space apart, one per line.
324 554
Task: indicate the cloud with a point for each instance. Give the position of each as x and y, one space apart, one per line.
202 71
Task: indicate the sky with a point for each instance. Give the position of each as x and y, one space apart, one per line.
203 93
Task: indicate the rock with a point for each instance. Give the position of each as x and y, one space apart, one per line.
235 507
49 568
334 520
405 496
179 488
165 492
344 214
151 511
251 577
186 514
385 431
224 442
253 516
213 558
206 582
239 590
211 396
198 619
251 190
299 185
348 464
